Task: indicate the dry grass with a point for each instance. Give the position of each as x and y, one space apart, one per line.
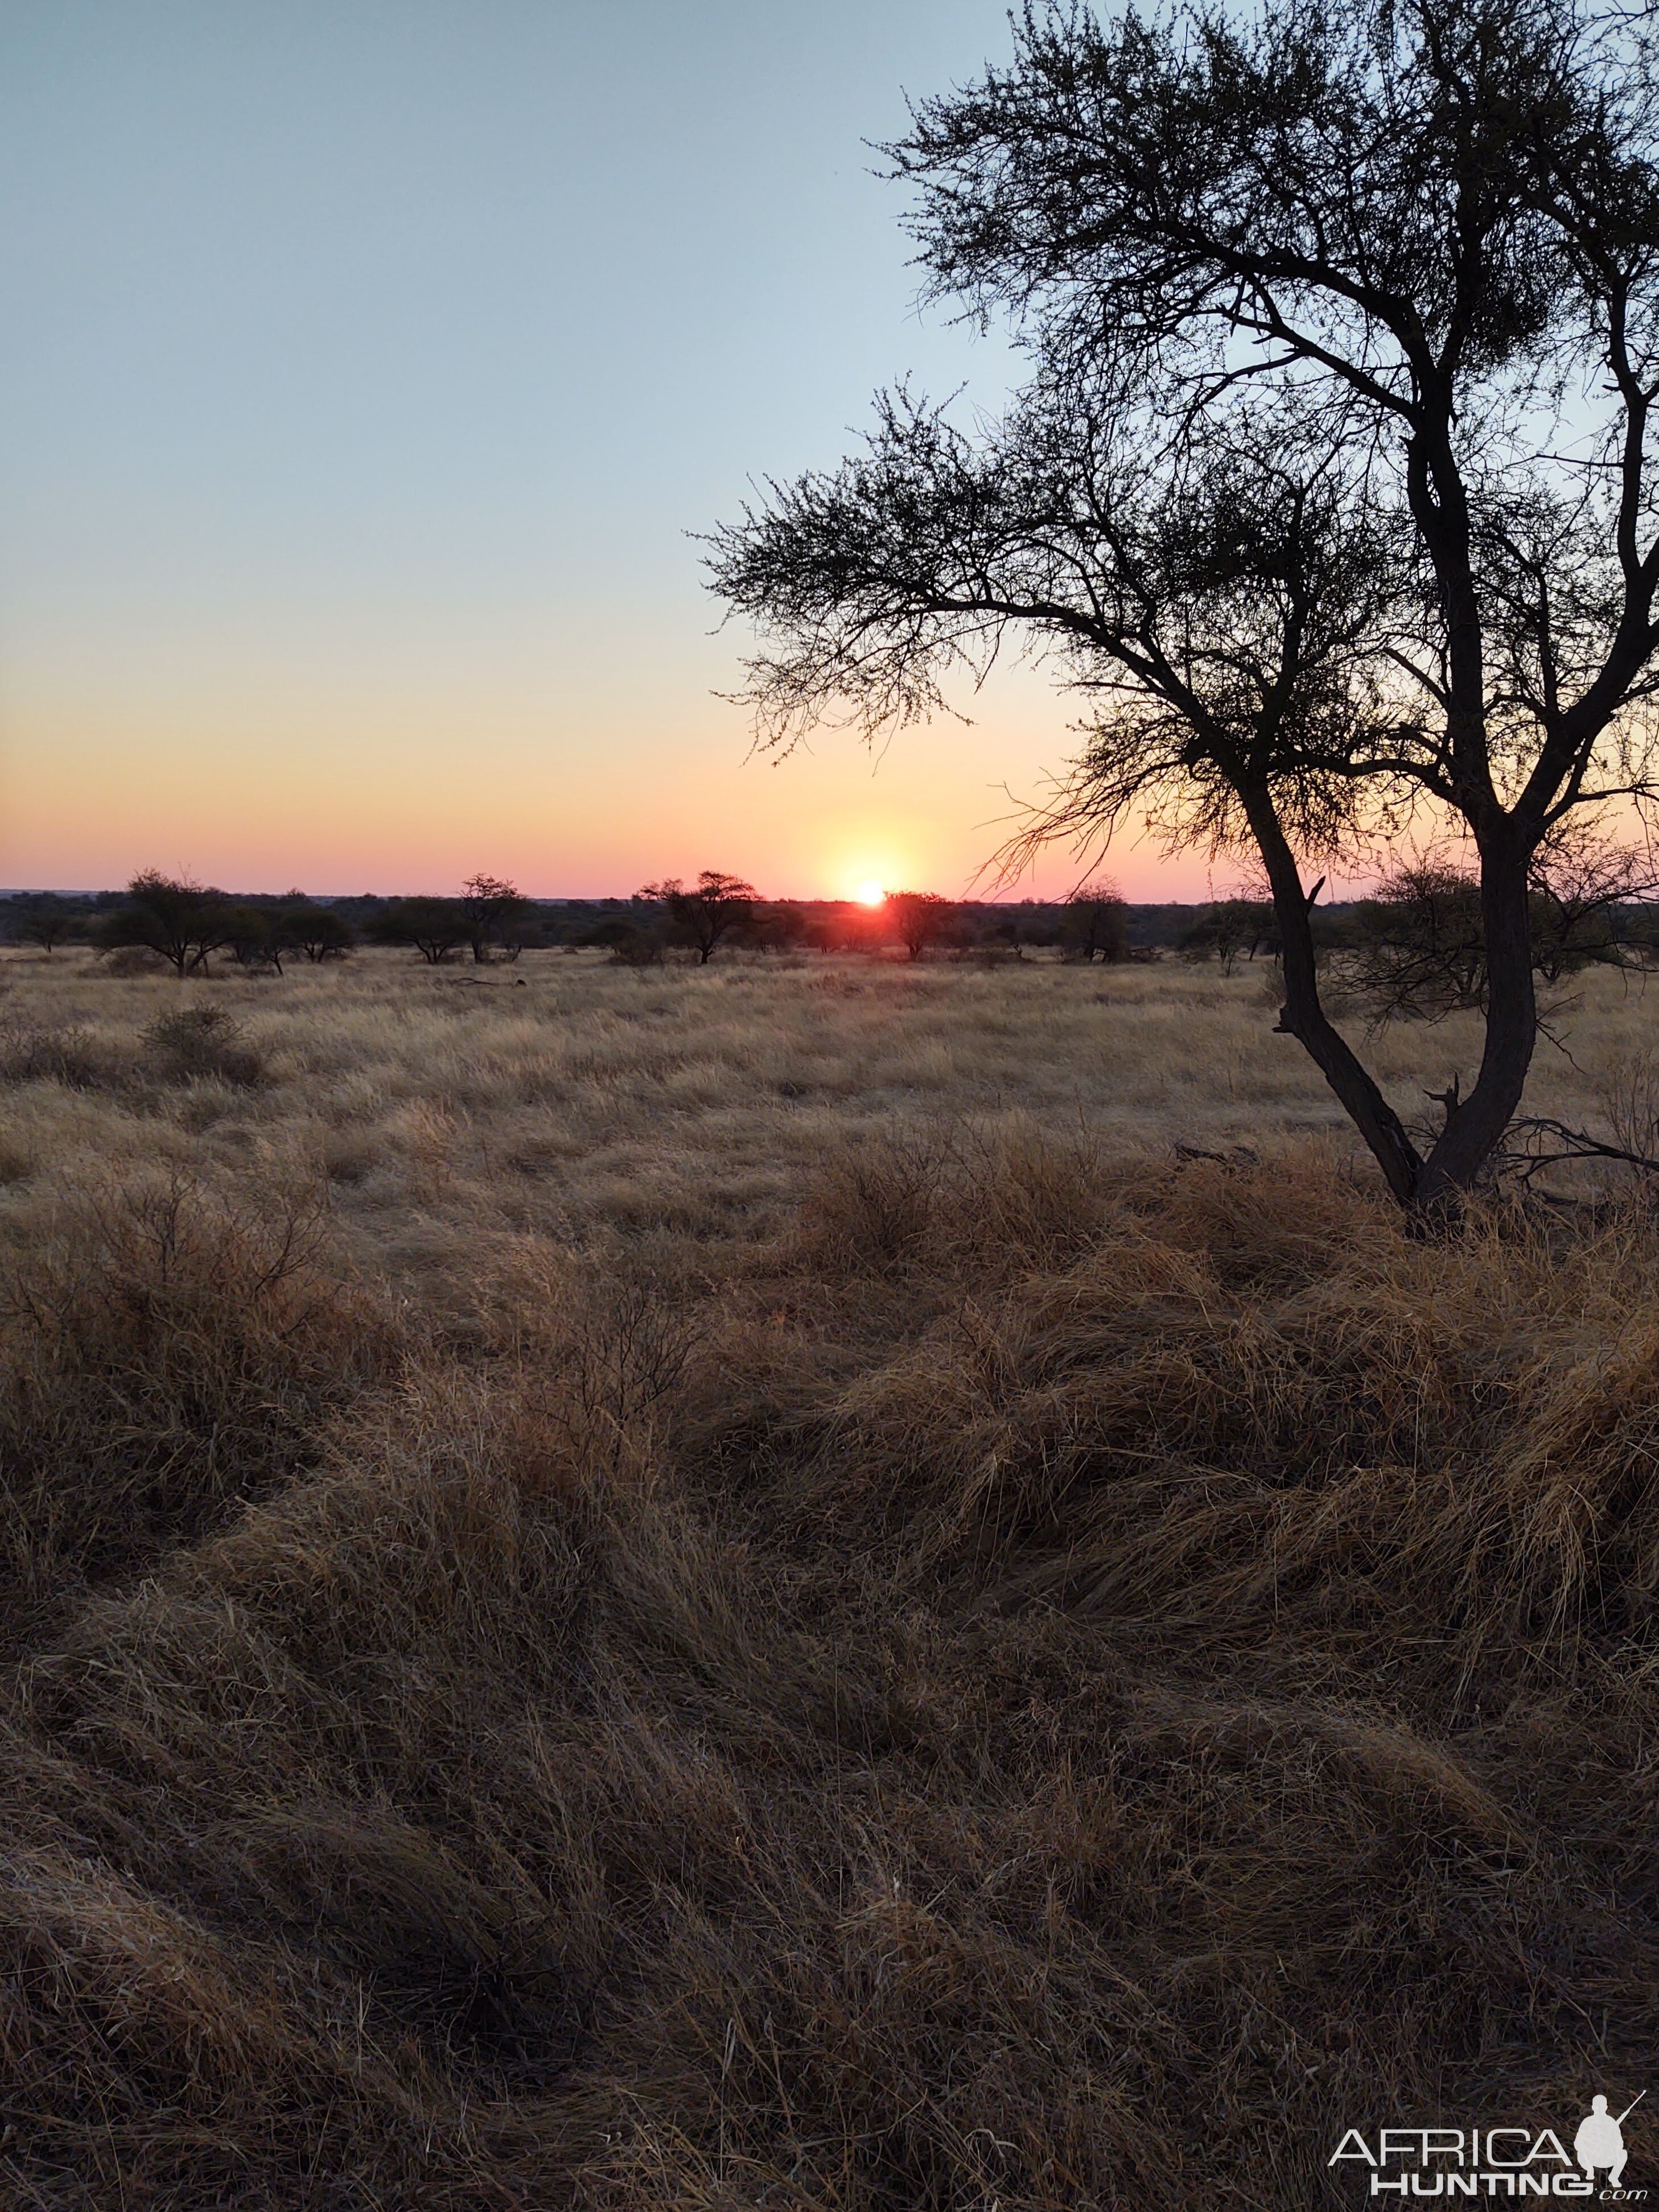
736 1589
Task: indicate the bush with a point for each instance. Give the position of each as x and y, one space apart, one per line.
127 961
639 948
32 1053
626 941
192 1042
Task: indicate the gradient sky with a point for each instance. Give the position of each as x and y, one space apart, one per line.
367 363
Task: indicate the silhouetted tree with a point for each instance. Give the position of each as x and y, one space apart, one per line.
1318 301
1095 923
43 919
435 927
919 919
184 921
1230 930
1582 884
1420 948
1419 951
493 908
719 905
316 931
253 936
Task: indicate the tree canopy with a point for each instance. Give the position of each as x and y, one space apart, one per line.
181 920
710 910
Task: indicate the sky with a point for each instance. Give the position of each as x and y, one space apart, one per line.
367 367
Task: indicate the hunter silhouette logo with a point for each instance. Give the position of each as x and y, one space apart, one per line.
1601 2141
1506 2162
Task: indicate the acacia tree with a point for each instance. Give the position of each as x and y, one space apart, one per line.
1219 601
1582 887
1418 953
317 931
40 918
702 916
183 922
1095 923
493 906
1405 257
1418 950
435 927
254 937
1232 928
921 919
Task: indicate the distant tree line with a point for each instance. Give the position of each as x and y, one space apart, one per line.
185 924
1415 949
181 923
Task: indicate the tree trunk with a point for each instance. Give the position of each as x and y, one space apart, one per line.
1303 1016
1475 1125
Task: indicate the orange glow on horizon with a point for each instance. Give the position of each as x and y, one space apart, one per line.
585 797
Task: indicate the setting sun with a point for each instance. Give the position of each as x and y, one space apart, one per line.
871 895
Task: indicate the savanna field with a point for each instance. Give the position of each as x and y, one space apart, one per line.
814 1584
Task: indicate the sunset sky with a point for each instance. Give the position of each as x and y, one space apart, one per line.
367 367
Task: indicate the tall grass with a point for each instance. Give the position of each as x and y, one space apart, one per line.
1044 1673
166 1352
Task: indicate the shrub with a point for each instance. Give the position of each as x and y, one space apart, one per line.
127 961
626 941
197 1041
30 1053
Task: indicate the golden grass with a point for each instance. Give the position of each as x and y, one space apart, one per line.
737 1588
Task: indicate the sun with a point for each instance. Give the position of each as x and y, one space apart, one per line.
870 894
